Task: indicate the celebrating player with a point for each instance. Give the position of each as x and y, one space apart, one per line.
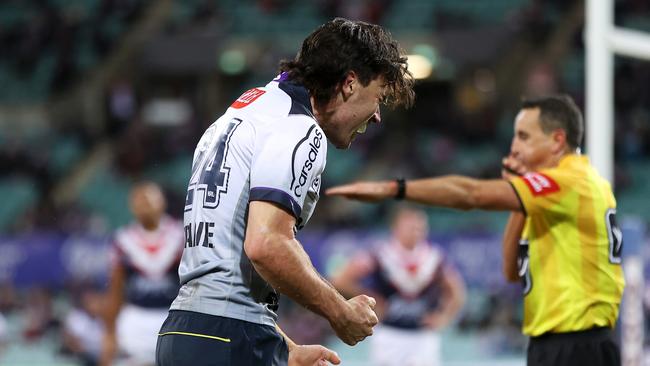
255 181
565 215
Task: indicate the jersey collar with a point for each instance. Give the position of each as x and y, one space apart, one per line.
300 100
571 159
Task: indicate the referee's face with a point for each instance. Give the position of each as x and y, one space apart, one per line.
530 145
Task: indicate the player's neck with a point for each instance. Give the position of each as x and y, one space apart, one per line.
322 112
151 226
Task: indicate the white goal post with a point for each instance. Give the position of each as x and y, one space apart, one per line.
603 40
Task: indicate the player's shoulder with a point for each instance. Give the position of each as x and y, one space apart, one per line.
169 223
437 249
298 132
279 98
290 106
280 112
291 126
266 101
127 228
125 233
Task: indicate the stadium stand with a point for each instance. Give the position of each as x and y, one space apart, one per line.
72 173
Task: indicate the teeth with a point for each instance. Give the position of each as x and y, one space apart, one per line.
362 128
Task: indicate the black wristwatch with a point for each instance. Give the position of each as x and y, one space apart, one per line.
401 189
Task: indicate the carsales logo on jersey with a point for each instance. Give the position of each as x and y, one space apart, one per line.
307 148
540 184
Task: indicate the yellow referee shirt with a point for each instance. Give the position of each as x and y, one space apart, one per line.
570 250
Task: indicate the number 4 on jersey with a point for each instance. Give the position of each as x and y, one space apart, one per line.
213 178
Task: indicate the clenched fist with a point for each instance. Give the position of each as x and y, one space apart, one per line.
356 320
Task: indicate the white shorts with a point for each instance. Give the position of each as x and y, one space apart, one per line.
137 333
391 346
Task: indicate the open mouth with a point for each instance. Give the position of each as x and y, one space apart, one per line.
362 128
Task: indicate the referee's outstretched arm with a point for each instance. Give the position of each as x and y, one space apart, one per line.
453 191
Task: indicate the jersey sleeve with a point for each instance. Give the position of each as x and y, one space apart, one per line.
542 192
286 163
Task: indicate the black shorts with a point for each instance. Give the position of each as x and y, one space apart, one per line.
594 347
196 339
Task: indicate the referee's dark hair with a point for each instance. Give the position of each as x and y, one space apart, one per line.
559 111
343 45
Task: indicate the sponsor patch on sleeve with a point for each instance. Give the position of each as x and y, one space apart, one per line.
540 184
247 98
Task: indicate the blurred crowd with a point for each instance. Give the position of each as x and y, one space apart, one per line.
64 40
153 117
462 122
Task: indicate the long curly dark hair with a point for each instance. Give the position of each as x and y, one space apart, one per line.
342 45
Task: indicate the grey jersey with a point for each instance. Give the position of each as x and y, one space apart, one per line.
266 147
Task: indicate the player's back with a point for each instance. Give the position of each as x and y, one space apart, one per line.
252 152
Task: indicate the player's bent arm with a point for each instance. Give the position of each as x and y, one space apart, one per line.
348 279
510 246
452 299
113 306
454 288
115 296
280 259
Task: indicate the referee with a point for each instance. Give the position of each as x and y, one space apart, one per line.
561 240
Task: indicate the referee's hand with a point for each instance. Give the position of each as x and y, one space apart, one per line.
312 355
365 191
512 167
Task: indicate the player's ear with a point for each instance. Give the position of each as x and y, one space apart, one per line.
349 85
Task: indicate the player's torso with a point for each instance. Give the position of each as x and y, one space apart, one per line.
573 279
150 259
408 283
218 278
